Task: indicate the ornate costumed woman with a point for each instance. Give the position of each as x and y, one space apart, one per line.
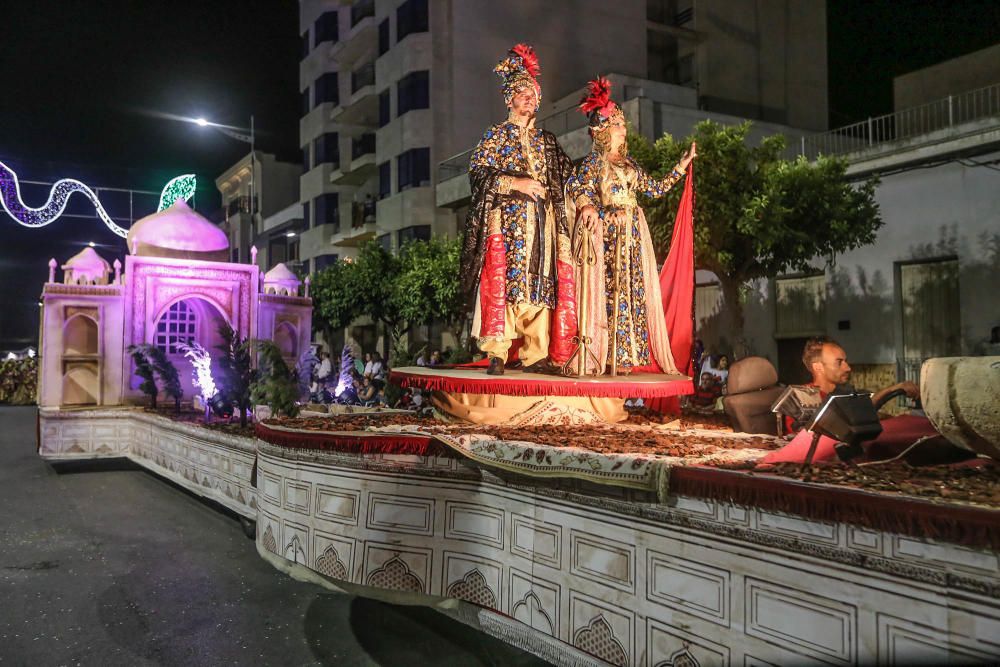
626 328
515 260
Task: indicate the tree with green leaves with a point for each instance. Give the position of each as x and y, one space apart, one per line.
428 288
417 286
144 369
236 369
275 385
335 301
756 214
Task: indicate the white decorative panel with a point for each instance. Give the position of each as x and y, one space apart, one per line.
395 568
865 540
705 508
340 505
688 586
475 580
802 528
535 602
477 523
603 560
601 629
666 645
944 554
818 626
297 496
295 543
541 542
333 555
404 514
270 488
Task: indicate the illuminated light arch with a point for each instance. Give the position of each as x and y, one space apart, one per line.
59 194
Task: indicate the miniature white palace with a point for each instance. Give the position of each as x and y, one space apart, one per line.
177 285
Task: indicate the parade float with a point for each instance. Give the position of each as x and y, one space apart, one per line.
640 542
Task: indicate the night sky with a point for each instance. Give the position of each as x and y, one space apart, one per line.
84 82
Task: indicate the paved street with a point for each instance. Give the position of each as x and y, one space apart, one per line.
109 565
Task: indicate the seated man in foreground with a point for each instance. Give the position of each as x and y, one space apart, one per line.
826 361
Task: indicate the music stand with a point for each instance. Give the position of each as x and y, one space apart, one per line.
850 419
800 402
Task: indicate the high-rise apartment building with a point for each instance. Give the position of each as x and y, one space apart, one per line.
392 88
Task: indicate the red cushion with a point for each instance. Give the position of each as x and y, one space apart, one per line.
898 433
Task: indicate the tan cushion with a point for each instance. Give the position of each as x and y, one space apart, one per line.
751 374
751 412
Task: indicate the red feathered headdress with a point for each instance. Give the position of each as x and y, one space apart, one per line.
519 69
528 59
597 103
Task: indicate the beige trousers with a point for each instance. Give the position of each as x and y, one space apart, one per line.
522 320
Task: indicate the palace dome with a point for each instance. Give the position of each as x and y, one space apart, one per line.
179 232
87 267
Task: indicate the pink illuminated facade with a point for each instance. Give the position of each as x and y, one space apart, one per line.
173 289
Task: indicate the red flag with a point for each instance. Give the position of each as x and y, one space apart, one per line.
677 290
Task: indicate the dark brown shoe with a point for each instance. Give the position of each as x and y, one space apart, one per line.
496 366
544 367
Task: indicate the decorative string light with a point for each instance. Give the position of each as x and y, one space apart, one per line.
181 187
59 194
201 360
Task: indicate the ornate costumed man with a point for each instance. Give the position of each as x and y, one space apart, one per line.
627 331
516 261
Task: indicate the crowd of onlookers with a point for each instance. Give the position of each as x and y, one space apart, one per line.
364 383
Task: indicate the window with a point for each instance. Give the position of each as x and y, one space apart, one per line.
384 114
363 76
306 166
178 325
413 92
383 37
326 28
328 210
277 251
800 306
362 10
685 70
306 210
362 145
306 106
411 16
384 180
415 233
323 261
413 169
327 89
304 48
326 149
386 242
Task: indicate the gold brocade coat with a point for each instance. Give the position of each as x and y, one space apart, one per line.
633 331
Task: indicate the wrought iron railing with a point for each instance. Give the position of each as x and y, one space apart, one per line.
942 114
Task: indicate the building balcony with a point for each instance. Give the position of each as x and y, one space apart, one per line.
314 182
354 235
360 108
357 172
317 121
362 39
289 216
453 189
